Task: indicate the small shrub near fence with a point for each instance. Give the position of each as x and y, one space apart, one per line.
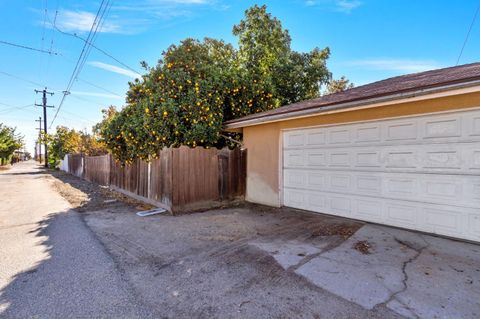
180 179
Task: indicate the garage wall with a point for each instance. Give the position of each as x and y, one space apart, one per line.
263 141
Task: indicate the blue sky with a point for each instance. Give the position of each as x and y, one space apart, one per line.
369 40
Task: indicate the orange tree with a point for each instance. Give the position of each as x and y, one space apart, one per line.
198 85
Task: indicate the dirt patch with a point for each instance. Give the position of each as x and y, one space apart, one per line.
86 196
343 230
363 246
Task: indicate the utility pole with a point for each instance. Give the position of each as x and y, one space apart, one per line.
39 139
44 105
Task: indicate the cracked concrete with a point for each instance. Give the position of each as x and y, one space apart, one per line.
289 253
366 279
443 282
413 274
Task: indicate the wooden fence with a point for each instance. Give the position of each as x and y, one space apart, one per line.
180 179
76 165
97 169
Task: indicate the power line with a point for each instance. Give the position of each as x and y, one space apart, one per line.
468 34
58 91
27 47
22 108
96 47
83 54
42 70
12 108
55 90
19 78
44 23
99 87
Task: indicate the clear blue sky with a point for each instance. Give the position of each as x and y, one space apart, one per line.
369 40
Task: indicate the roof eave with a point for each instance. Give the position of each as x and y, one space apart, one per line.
346 106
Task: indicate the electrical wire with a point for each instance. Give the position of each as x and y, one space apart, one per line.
99 87
83 54
96 48
468 34
13 108
28 48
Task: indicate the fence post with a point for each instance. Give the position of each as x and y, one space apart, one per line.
222 174
149 176
83 166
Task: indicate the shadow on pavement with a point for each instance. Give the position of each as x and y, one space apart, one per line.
77 278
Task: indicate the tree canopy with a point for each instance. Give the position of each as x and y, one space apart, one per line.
338 85
10 141
198 85
69 141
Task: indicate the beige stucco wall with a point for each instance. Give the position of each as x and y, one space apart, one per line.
263 141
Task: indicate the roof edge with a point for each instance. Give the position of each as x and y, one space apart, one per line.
345 106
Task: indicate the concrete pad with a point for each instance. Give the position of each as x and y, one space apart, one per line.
443 282
289 253
367 280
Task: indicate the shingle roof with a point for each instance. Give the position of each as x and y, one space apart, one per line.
395 85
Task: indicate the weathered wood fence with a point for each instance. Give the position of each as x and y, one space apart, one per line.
180 179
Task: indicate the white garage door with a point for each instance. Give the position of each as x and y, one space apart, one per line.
419 172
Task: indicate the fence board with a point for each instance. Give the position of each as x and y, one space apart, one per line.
97 169
75 165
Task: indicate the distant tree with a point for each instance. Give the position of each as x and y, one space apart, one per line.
69 141
10 141
339 85
62 142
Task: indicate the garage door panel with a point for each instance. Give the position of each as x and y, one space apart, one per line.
339 136
317 201
316 137
474 224
443 220
316 158
368 158
475 159
339 158
368 184
295 179
369 210
442 158
474 127
445 128
455 158
341 204
441 127
420 172
368 133
442 188
460 190
294 158
401 214
400 131
316 180
440 219
295 198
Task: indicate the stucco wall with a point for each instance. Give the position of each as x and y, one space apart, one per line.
263 141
